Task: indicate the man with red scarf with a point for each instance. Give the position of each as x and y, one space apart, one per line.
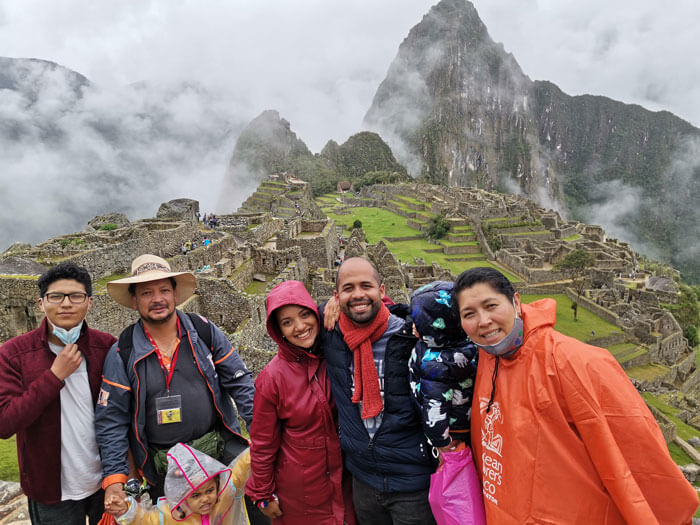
381 435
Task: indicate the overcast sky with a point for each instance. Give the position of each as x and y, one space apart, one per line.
319 62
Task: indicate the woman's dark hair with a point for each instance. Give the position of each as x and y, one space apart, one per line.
483 274
65 270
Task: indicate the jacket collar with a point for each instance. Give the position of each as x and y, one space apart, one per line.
142 346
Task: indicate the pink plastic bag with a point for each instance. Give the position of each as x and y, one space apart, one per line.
455 491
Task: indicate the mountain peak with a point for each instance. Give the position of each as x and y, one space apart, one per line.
18 74
457 109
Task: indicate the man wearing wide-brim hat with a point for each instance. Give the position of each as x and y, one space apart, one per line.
170 378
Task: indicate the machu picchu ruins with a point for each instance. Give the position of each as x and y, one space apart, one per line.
281 232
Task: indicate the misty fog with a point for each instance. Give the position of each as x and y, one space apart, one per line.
172 84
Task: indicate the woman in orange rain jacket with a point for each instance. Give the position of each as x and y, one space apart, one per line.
564 435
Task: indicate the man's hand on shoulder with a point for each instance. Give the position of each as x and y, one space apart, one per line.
331 313
67 361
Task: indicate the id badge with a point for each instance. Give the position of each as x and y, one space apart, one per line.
169 409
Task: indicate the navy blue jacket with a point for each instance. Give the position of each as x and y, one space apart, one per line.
120 415
398 457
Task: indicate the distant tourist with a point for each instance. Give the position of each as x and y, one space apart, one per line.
172 377
183 249
560 433
49 381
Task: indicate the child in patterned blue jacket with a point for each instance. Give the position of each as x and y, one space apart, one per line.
443 366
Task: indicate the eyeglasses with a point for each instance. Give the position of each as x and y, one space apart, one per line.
74 297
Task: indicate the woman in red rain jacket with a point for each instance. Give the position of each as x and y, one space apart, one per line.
297 468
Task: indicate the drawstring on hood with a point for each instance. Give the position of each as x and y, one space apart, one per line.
493 384
506 348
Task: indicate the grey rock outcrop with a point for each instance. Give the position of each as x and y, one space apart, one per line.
109 218
14 265
179 210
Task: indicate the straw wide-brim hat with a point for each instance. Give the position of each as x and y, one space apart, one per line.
146 268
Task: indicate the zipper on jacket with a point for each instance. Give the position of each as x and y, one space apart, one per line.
213 396
136 413
370 445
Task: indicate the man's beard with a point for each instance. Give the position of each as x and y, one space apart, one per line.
365 317
151 320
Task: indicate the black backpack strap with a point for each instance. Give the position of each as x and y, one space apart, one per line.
204 329
126 344
126 338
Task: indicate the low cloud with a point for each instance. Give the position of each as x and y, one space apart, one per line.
73 153
205 69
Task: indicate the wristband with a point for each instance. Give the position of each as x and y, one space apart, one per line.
112 479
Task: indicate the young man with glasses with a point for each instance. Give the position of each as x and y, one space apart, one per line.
49 382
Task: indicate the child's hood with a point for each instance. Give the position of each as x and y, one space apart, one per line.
188 469
435 317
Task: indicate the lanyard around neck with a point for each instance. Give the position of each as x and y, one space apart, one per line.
167 370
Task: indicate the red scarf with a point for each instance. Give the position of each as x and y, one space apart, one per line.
359 339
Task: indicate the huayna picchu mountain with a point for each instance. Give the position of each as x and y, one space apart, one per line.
458 110
268 145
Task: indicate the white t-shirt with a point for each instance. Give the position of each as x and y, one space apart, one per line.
81 468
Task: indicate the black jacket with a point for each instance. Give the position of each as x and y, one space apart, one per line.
398 457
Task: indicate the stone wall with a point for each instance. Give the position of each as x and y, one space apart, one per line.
613 339
109 316
262 232
687 367
524 288
591 306
204 255
670 349
162 239
420 226
242 275
219 301
407 238
641 360
483 242
692 383
313 226
19 309
272 262
319 250
294 271
668 427
460 249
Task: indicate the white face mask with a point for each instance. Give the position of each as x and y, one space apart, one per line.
510 343
67 336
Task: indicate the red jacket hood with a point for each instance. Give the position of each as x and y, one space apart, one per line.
287 292
539 314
